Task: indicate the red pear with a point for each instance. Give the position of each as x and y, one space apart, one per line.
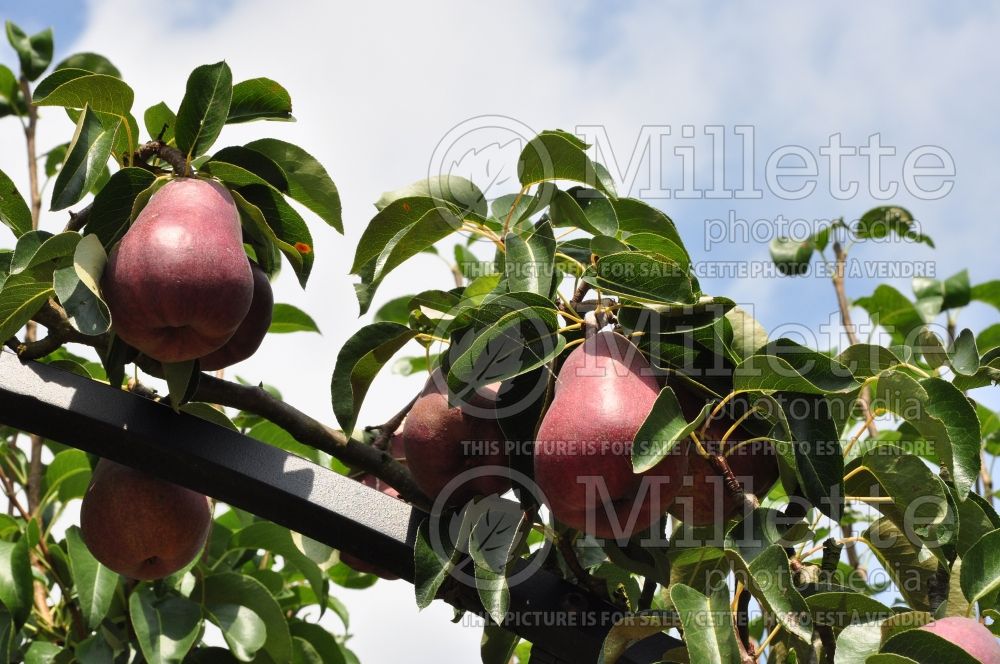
179 283
969 635
443 442
141 526
251 332
704 499
604 391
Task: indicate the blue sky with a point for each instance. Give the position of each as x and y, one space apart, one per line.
377 85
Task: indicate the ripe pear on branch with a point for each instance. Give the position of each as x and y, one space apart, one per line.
140 526
445 443
604 392
179 283
706 496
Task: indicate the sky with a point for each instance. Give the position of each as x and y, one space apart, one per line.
379 89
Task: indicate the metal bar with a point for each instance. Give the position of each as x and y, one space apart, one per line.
555 615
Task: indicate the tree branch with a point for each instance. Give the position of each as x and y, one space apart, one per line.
157 148
864 398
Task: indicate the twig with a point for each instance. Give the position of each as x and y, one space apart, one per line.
78 220
177 160
864 397
646 598
391 426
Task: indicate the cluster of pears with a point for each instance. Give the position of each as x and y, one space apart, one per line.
604 391
180 287
179 284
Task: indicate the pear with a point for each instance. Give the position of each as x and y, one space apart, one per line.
251 332
604 392
443 442
140 526
969 635
704 498
179 283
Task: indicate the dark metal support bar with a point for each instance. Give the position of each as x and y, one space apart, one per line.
288 490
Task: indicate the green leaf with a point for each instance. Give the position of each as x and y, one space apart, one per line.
459 191
529 262
893 311
867 360
308 181
20 299
94 650
708 625
883 221
323 642
95 584
55 158
926 647
988 292
88 155
67 476
507 337
16 580
662 430
819 459
43 652
276 539
259 99
76 88
557 155
179 376
287 226
34 52
840 609
359 361
630 629
37 247
567 210
159 118
920 500
980 574
497 645
204 109
92 62
636 216
87 312
857 642
14 212
11 97
165 627
643 277
242 629
788 366
112 211
430 570
272 434
400 231
911 566
952 293
493 544
943 415
209 414
233 588
287 318
770 580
